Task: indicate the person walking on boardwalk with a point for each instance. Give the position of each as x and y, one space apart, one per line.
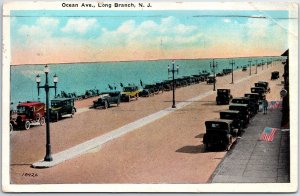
265 105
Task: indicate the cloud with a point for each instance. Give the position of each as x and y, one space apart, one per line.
80 25
226 20
43 27
168 31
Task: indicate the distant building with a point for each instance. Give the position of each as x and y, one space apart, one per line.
285 101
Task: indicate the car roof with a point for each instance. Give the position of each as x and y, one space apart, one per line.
30 103
107 92
238 104
230 111
220 120
62 99
223 89
240 98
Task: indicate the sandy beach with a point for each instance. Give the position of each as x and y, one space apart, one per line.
169 150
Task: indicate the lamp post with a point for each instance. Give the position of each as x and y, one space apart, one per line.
214 65
232 63
48 156
250 66
256 67
173 70
262 64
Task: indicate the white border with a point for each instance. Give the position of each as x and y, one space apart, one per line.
215 187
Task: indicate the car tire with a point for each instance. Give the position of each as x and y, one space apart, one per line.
42 121
72 113
56 117
128 99
105 105
11 128
27 125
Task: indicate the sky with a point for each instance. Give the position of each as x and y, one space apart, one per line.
45 36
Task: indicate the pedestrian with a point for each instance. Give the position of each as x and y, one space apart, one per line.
265 105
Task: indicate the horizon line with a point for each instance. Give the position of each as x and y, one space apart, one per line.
90 62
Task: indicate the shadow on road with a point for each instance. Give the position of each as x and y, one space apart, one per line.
200 135
192 149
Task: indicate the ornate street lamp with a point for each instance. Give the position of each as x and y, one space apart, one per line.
48 156
250 66
232 63
173 70
256 67
213 65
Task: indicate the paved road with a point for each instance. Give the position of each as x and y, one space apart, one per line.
167 151
252 160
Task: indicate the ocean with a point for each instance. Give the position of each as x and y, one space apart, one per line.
79 77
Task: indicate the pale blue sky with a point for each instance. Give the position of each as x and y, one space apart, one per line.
161 34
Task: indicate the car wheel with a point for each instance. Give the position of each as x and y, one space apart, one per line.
27 125
11 128
42 121
105 105
73 112
229 140
128 99
56 117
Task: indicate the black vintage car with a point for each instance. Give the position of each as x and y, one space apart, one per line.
218 133
244 68
107 98
61 107
211 80
274 75
237 119
254 97
244 111
148 90
227 71
223 96
252 104
260 91
264 85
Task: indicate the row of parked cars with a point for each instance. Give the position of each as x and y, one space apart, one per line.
132 92
221 132
32 113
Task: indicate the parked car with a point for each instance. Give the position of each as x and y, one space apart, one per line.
129 93
211 79
274 75
148 90
218 133
61 107
244 110
227 71
29 114
264 85
252 104
223 96
260 91
237 119
107 98
244 68
254 97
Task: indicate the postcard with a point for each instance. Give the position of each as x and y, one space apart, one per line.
138 96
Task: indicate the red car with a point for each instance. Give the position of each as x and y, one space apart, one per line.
28 114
